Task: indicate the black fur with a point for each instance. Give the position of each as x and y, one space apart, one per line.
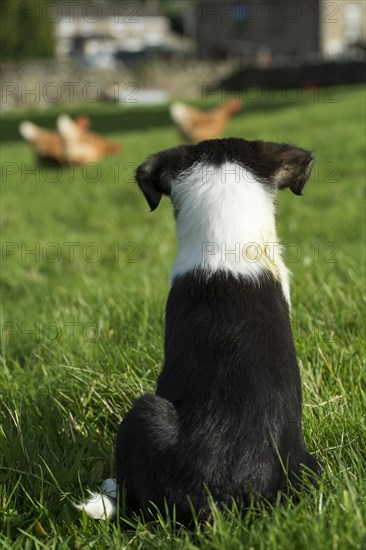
227 409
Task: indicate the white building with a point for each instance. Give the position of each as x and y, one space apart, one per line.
102 35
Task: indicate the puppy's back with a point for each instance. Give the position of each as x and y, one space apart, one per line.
232 373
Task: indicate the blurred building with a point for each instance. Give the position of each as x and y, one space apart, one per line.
262 31
343 32
101 33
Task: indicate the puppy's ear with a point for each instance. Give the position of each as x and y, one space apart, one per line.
293 168
157 174
148 178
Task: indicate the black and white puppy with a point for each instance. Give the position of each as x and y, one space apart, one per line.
226 417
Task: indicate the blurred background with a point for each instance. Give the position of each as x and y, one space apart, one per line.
152 51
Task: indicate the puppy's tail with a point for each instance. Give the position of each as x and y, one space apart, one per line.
101 505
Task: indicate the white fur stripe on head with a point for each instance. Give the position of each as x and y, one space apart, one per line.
226 222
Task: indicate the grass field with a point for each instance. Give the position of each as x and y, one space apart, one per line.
85 276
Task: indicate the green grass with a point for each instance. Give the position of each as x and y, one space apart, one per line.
99 325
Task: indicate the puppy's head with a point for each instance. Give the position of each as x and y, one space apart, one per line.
275 166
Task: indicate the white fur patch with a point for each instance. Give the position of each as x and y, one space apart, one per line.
226 222
101 505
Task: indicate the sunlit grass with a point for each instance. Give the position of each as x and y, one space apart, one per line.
82 332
